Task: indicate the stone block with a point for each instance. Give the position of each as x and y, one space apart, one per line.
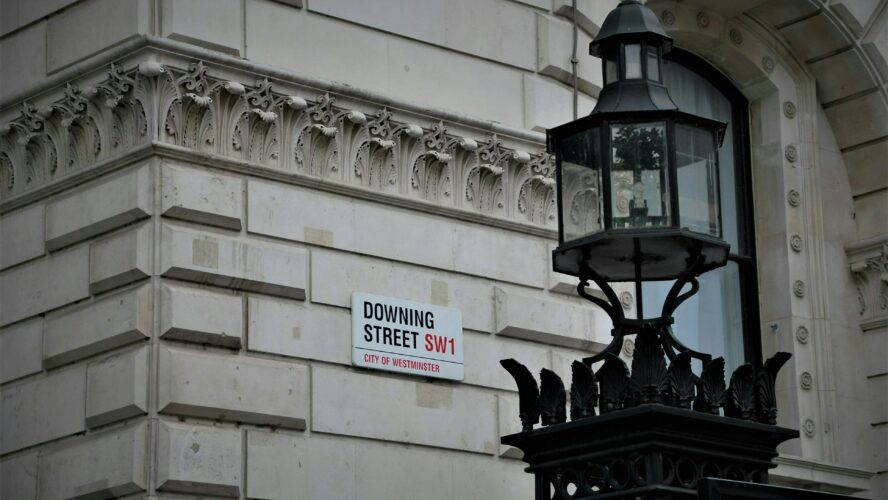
482 477
242 264
875 345
841 75
784 12
199 459
829 38
548 104
554 47
214 24
880 446
290 328
875 43
877 387
300 214
86 329
859 120
201 196
549 321
43 285
108 464
18 13
490 252
413 70
43 409
232 388
117 387
495 29
120 258
335 275
122 19
871 210
22 57
18 477
866 167
482 353
100 207
326 466
590 14
22 236
21 350
509 423
855 13
442 415
202 315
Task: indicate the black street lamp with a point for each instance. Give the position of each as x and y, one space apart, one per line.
638 201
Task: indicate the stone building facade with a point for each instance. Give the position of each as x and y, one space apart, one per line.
191 190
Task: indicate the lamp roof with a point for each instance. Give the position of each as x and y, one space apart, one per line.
630 19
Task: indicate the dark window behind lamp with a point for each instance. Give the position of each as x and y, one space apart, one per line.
722 319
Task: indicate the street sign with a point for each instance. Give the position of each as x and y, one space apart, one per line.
407 337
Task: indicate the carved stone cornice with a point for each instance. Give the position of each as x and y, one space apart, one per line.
195 108
869 265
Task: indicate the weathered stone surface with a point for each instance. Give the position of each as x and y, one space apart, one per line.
548 104
120 259
215 24
45 284
590 14
446 416
555 45
42 410
117 387
22 57
877 386
871 210
21 349
875 43
26 225
482 353
289 328
549 321
366 227
18 477
201 196
363 470
841 75
866 167
276 33
784 12
496 30
335 275
855 13
130 17
509 423
99 207
198 459
243 264
875 345
99 465
859 120
201 315
86 329
232 388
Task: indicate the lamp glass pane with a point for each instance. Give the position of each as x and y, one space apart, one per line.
696 157
611 57
639 182
579 162
653 64
633 60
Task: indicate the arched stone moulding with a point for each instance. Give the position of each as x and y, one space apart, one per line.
308 135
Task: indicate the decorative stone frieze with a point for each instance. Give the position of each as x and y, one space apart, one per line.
802 335
791 153
795 242
806 380
808 427
798 288
869 266
793 197
768 64
736 36
190 108
789 109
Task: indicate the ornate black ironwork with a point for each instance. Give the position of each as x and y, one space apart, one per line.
765 397
649 380
583 391
711 387
552 398
681 381
613 379
741 393
528 393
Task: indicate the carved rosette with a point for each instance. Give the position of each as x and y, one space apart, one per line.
256 123
869 266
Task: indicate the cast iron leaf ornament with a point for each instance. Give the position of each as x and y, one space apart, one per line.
528 393
741 393
711 387
613 380
681 381
765 397
583 391
649 379
553 398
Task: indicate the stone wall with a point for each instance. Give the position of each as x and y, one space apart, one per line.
195 188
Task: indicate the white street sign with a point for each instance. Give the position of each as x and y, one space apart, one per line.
407 337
